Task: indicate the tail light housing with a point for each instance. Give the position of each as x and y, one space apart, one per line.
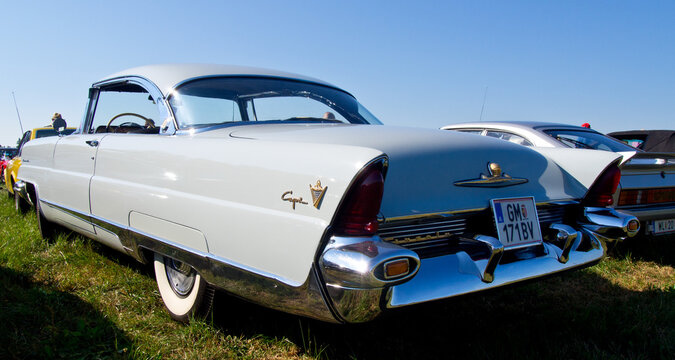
602 191
357 215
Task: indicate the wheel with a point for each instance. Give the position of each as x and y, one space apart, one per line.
184 292
20 204
48 229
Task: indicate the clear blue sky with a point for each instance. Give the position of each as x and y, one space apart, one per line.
424 64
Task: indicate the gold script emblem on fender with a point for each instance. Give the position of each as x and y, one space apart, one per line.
287 197
318 192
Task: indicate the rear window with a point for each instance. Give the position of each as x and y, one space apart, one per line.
588 140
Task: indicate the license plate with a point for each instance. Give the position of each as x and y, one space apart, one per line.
517 222
664 226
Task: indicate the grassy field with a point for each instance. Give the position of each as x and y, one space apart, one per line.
74 298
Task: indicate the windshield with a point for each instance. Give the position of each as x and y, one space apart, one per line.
588 140
215 101
51 132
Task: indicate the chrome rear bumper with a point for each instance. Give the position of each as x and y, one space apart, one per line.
458 273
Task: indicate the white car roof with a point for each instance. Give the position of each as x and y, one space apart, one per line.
530 130
523 125
168 76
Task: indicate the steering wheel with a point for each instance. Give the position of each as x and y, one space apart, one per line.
148 122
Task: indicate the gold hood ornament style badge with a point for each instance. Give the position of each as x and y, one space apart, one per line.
318 192
496 178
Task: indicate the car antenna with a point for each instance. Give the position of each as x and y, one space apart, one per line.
17 112
483 106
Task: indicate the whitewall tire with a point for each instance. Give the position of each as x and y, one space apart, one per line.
184 292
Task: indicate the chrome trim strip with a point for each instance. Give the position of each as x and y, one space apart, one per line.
165 110
89 232
491 182
456 212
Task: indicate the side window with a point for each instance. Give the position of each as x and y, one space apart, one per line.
293 108
125 109
508 137
470 131
202 110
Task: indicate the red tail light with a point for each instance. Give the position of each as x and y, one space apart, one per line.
357 215
602 191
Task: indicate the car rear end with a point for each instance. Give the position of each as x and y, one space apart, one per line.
647 191
461 221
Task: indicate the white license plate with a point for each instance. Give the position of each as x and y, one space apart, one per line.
517 222
664 226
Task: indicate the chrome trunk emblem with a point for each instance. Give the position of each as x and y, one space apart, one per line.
495 179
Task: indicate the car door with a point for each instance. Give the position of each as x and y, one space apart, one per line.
72 169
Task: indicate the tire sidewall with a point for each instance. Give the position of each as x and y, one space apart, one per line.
180 308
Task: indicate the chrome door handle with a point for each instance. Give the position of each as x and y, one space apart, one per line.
92 143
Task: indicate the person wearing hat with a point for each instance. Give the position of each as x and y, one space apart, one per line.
58 123
56 116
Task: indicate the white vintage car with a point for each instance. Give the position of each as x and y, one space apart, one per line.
284 190
646 187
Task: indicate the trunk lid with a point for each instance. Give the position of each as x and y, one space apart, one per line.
425 164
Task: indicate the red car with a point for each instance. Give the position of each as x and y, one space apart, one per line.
5 155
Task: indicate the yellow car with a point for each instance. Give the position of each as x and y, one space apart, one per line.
14 164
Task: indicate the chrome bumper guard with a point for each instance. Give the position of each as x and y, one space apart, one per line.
350 266
20 188
609 224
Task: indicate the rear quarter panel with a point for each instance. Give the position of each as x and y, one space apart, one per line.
227 192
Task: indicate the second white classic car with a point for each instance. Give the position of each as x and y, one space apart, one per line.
646 188
284 190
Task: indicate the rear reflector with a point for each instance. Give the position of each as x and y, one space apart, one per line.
633 225
396 268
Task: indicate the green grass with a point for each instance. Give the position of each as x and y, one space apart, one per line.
74 298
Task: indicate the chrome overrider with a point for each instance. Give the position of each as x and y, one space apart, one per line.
358 294
609 224
21 189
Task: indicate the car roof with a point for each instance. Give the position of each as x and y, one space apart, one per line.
533 131
516 124
168 76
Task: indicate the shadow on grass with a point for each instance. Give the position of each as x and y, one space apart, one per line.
658 249
40 322
577 315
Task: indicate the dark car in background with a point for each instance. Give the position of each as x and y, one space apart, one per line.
648 140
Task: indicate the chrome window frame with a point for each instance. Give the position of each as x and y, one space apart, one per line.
165 113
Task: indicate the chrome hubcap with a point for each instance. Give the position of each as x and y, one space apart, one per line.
181 276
